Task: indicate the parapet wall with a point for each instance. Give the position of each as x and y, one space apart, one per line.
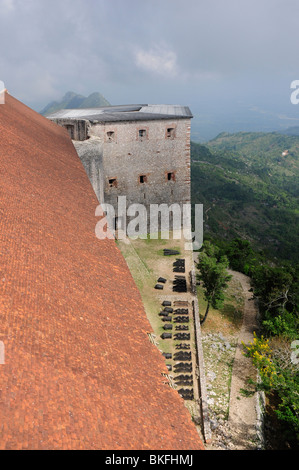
91 155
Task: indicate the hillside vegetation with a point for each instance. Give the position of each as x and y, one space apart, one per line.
249 185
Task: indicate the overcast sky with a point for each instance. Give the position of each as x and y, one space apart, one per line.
223 58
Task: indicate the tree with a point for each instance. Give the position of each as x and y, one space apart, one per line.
272 287
214 276
240 254
277 290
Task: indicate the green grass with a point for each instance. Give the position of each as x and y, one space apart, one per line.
147 262
227 319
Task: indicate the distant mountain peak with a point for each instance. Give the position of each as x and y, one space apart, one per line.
72 100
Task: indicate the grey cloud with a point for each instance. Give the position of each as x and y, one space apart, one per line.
205 53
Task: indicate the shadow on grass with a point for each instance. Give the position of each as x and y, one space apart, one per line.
232 314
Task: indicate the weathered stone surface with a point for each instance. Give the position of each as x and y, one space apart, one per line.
141 160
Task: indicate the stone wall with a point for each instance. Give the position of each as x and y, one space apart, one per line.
91 154
148 161
77 128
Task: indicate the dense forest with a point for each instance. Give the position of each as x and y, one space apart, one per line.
248 183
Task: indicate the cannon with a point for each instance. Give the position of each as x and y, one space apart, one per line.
167 327
179 262
166 319
182 336
182 356
167 355
186 393
166 335
183 346
183 367
181 319
183 377
179 266
164 314
180 284
181 311
182 359
168 252
179 269
168 309
186 383
182 327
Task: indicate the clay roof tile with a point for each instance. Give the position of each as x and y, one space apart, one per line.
79 370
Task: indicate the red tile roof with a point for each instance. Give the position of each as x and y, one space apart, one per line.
80 372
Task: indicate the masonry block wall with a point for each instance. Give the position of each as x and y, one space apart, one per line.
147 161
91 155
77 129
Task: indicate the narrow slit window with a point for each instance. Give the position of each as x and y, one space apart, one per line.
170 176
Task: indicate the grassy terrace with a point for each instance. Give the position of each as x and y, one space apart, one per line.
228 319
147 263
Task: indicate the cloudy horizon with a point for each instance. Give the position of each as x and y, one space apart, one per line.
232 62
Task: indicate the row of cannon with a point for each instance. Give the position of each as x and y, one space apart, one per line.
176 327
183 356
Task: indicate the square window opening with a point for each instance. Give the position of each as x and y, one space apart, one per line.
170 132
110 136
170 176
142 179
142 134
112 183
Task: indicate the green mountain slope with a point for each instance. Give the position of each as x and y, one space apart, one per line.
72 100
249 185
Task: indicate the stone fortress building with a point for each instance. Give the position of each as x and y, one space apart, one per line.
138 151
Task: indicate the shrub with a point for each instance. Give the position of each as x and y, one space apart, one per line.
279 378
